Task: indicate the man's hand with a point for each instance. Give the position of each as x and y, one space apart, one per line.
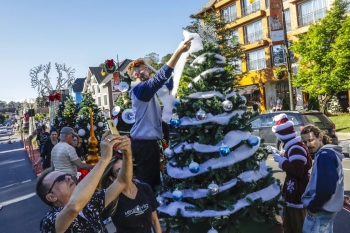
346 200
184 45
277 157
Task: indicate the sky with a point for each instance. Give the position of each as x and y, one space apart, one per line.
83 34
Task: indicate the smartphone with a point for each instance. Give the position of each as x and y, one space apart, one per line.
112 127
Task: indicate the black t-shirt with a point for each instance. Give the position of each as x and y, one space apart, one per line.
135 215
47 153
42 137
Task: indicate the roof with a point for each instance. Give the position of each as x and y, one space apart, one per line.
206 6
78 85
96 71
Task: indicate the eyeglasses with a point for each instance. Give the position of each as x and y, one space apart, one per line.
75 140
59 179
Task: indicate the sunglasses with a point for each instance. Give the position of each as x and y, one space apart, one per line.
59 179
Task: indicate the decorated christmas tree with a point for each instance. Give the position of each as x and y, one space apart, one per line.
82 121
66 114
123 102
215 178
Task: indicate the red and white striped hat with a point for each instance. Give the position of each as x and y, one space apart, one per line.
284 128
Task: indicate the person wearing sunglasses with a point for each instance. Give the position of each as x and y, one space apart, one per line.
64 158
134 210
79 208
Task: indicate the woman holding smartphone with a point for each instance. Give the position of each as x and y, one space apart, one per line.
134 211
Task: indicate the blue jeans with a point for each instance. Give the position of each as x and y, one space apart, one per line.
322 222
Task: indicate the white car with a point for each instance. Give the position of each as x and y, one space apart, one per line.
3 130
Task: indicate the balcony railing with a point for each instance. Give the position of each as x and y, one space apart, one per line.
253 37
251 8
231 17
256 64
312 17
288 26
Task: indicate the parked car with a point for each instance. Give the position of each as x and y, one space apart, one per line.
3 130
262 125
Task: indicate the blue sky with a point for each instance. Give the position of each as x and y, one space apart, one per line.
82 34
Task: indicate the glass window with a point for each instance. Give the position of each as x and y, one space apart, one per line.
105 99
99 101
250 8
278 54
256 60
288 22
93 89
237 64
98 89
311 11
256 123
253 32
229 13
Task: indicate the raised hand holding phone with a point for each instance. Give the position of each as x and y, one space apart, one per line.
112 127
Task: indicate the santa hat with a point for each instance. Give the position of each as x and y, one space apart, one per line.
284 128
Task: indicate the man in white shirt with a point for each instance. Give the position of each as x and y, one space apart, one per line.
64 157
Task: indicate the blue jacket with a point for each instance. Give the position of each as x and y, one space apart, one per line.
148 117
325 191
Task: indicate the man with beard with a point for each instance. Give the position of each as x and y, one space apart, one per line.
324 194
148 123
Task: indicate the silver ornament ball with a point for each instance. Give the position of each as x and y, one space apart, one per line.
201 115
213 188
227 105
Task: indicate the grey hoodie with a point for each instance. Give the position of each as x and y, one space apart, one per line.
325 191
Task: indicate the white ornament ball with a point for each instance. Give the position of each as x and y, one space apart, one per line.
212 230
100 124
59 118
168 152
99 114
227 105
160 200
88 126
81 132
85 141
201 115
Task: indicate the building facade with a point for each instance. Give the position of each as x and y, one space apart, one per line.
249 21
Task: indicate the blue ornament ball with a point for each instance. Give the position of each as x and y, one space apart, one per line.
253 140
224 150
177 195
194 167
177 102
175 121
61 124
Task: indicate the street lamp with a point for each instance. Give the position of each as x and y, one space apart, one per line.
291 104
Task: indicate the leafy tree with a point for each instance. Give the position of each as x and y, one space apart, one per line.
152 59
199 141
319 74
39 116
40 102
313 104
66 114
2 117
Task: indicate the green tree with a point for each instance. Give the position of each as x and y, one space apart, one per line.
319 72
40 102
313 104
66 114
152 59
39 116
200 141
83 119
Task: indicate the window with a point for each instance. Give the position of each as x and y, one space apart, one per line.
288 22
256 60
279 55
105 99
253 32
93 89
256 123
311 11
98 89
229 13
237 64
99 101
233 34
250 8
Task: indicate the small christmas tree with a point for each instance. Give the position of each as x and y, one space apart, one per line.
215 173
66 114
334 105
82 121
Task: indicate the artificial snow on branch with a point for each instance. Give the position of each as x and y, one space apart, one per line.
265 194
239 154
222 119
200 59
210 94
246 177
211 70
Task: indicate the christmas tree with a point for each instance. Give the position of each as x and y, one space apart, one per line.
215 177
334 105
124 102
66 114
82 121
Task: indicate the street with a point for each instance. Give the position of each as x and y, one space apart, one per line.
22 209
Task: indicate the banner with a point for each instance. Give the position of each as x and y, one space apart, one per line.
276 21
116 81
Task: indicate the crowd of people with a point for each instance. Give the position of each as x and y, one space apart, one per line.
312 200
